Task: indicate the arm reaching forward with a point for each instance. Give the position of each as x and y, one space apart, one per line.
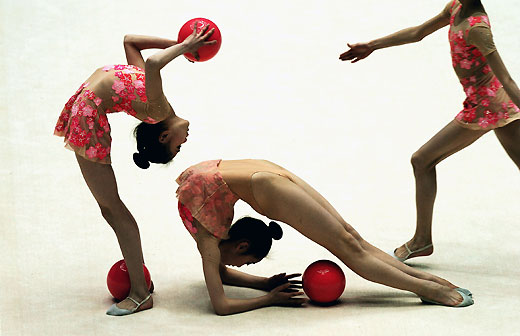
359 51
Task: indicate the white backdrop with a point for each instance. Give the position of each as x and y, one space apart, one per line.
275 91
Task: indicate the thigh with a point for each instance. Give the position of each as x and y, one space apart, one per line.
101 181
449 140
285 201
324 203
509 137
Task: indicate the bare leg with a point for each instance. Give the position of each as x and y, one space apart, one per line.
451 139
279 198
509 137
101 181
383 256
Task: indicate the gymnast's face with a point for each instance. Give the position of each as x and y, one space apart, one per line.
176 134
233 254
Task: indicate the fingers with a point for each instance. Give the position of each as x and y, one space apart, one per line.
293 301
211 42
196 55
282 287
208 35
195 26
346 55
294 275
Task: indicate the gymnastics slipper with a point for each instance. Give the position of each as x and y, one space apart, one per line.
116 311
410 252
467 300
465 291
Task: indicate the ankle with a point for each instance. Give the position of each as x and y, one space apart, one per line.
420 241
139 295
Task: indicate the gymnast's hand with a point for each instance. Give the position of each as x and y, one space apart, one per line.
356 52
197 40
281 279
284 296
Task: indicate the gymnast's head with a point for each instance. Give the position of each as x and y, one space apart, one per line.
249 241
159 142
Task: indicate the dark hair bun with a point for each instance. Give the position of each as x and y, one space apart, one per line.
275 230
141 161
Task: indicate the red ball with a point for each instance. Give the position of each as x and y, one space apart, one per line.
323 281
118 280
205 52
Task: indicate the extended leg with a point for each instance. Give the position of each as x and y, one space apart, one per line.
102 183
509 137
451 139
376 252
285 201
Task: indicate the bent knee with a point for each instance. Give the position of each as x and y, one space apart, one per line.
420 161
109 209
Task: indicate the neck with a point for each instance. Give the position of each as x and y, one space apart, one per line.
469 7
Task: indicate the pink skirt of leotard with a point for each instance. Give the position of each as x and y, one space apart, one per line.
204 195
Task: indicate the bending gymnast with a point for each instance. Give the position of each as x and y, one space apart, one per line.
207 193
84 125
491 104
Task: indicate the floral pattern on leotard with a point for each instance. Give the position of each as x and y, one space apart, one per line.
83 122
187 218
205 196
487 105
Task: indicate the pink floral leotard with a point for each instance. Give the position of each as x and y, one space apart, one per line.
487 105
204 195
114 88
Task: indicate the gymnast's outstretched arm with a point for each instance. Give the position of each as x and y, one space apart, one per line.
234 277
359 51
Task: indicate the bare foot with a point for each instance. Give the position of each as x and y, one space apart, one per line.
418 249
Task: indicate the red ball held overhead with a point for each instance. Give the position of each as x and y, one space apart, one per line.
323 281
118 280
205 52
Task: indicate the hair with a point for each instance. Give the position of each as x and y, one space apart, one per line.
149 148
257 233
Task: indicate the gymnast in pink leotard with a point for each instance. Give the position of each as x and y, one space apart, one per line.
492 103
136 89
207 193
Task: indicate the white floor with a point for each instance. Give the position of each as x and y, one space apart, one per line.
276 91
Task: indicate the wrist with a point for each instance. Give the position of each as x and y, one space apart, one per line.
268 299
264 283
373 45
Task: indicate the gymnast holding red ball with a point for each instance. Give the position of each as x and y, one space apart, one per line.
136 89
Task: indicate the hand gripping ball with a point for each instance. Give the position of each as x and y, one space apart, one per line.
118 280
323 281
205 52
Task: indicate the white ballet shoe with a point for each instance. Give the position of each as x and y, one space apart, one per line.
467 299
114 310
410 252
465 291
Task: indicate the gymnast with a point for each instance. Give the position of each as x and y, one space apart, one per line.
136 89
206 195
492 100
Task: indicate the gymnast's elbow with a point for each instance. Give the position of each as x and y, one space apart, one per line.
222 308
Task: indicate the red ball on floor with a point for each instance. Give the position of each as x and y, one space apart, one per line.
205 52
323 281
118 280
